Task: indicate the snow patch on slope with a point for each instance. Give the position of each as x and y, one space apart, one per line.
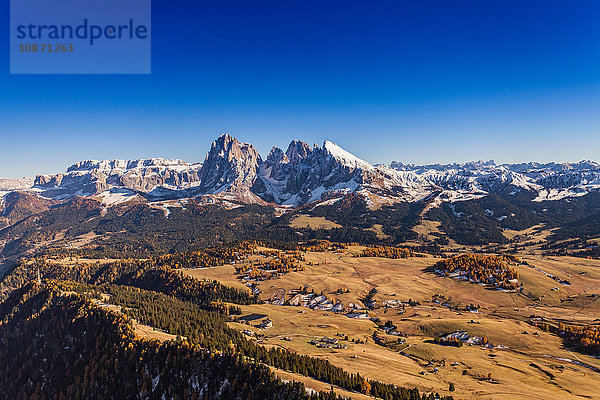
116 196
558 194
3 202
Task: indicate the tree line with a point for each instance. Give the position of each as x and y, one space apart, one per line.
490 269
585 338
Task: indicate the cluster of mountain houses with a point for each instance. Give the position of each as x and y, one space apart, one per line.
321 302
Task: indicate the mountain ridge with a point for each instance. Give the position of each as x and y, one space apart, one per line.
235 170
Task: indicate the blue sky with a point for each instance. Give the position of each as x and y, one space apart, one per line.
413 81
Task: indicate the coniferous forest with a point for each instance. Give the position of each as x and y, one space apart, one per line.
57 346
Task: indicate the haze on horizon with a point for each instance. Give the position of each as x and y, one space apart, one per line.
418 83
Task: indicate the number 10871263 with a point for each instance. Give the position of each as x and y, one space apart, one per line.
45 48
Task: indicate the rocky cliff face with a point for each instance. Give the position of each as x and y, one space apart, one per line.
229 165
92 177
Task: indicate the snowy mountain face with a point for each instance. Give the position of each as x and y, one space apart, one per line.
302 174
15 184
91 177
550 181
236 171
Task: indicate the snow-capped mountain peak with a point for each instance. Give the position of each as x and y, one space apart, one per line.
345 157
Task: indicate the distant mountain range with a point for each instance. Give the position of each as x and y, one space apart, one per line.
157 205
236 171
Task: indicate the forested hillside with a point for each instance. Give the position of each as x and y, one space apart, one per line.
158 296
57 346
